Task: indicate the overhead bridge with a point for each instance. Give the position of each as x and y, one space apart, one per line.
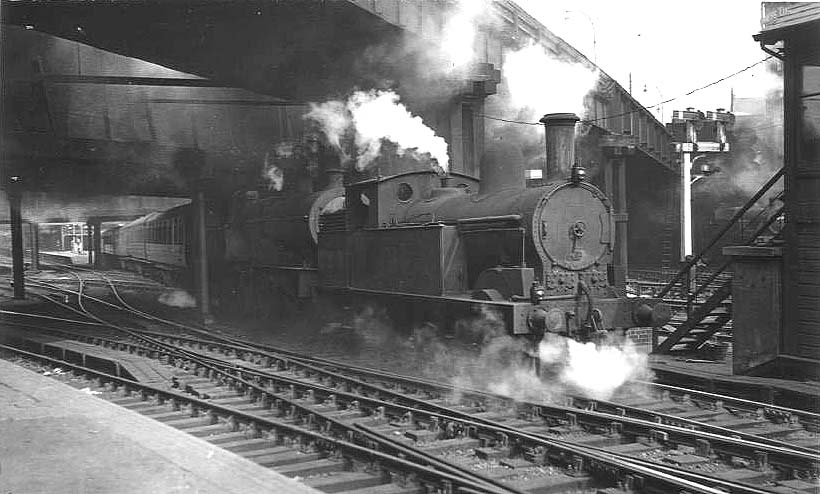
137 97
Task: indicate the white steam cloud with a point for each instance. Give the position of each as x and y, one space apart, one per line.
505 366
540 82
458 40
372 116
483 355
177 298
334 118
595 370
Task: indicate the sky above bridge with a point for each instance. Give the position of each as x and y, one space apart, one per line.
669 48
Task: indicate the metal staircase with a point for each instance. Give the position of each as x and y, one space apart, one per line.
707 319
708 307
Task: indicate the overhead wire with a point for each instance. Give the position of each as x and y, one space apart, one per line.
622 114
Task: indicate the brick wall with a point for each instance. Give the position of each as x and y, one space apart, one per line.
641 337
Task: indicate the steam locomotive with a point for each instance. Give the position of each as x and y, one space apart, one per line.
436 248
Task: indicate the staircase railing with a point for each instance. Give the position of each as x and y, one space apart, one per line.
758 231
687 268
723 291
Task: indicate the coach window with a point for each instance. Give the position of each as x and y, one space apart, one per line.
810 108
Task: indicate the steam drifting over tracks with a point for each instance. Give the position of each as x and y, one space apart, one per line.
445 442
511 444
461 435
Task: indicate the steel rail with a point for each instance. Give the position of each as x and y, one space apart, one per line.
194 360
662 422
433 476
595 458
651 420
748 404
733 446
189 357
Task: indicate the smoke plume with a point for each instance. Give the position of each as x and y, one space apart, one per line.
542 83
458 41
373 116
535 83
334 119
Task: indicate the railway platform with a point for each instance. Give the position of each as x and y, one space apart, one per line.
54 438
717 377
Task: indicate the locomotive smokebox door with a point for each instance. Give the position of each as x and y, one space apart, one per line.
572 227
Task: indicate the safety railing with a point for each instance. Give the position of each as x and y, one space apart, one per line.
712 293
686 270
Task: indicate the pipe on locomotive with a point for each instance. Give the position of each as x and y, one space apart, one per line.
559 129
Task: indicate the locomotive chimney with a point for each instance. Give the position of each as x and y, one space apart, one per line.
501 167
335 177
560 134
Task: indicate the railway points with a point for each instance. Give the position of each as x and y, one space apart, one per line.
328 247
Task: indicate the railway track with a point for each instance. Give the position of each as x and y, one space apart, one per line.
498 435
268 438
546 465
666 404
306 409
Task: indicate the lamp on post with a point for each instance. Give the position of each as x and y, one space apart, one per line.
660 94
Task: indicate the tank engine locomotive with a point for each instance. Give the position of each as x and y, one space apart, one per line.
537 255
436 248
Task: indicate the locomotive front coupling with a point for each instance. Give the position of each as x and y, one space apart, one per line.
584 317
